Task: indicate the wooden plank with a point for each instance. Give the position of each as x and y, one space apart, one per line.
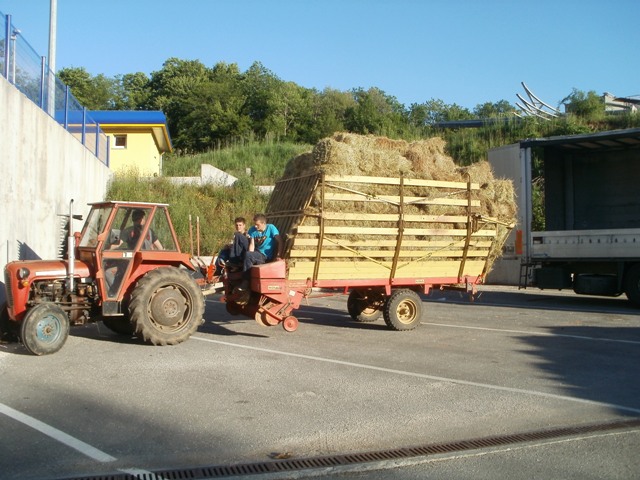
342 253
408 182
350 230
423 244
355 270
393 217
353 197
288 201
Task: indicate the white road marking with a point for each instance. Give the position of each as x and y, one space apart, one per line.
58 435
502 330
425 376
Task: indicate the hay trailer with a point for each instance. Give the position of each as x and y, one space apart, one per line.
381 240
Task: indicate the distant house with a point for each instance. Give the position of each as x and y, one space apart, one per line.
138 139
620 104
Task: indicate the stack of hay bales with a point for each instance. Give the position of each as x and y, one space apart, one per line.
346 154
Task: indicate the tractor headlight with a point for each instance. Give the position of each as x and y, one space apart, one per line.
23 273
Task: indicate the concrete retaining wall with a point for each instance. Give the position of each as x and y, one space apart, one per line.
42 168
212 175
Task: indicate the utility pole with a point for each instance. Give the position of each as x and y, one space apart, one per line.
53 19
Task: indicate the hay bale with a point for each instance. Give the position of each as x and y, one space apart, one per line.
348 154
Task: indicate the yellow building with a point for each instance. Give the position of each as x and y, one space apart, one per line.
137 139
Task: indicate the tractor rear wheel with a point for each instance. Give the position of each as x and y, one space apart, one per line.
166 306
403 310
363 306
44 329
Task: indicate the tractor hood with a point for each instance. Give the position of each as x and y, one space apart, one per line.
43 269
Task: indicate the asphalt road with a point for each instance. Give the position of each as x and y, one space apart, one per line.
235 393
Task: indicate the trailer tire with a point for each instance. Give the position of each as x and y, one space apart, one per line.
166 306
361 308
403 310
632 284
44 329
233 308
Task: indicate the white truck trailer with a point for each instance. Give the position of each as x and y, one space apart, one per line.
585 233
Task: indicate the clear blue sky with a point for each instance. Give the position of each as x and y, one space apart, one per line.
460 51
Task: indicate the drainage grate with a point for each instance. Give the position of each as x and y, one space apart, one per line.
288 465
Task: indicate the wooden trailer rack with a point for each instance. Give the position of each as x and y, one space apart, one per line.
382 240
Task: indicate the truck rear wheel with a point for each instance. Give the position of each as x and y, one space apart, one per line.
403 310
166 306
44 329
632 284
363 307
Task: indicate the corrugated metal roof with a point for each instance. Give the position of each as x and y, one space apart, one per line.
627 138
113 117
154 119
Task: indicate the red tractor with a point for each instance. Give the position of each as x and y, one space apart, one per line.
125 268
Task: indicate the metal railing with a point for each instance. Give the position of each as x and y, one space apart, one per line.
29 73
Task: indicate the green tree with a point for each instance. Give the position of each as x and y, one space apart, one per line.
260 86
287 106
176 89
94 93
132 91
586 105
214 116
455 112
492 110
427 113
434 111
326 115
375 112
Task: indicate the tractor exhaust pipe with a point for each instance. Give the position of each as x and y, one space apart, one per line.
71 252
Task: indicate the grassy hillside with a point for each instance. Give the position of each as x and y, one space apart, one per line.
266 160
216 207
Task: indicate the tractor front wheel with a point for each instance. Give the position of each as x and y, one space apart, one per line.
403 310
166 306
44 329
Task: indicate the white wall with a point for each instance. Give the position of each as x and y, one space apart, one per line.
42 168
506 162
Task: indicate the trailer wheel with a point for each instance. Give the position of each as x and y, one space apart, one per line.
632 284
233 308
119 325
264 319
362 307
290 323
44 329
403 310
166 306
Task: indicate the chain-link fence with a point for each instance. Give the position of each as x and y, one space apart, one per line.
29 73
